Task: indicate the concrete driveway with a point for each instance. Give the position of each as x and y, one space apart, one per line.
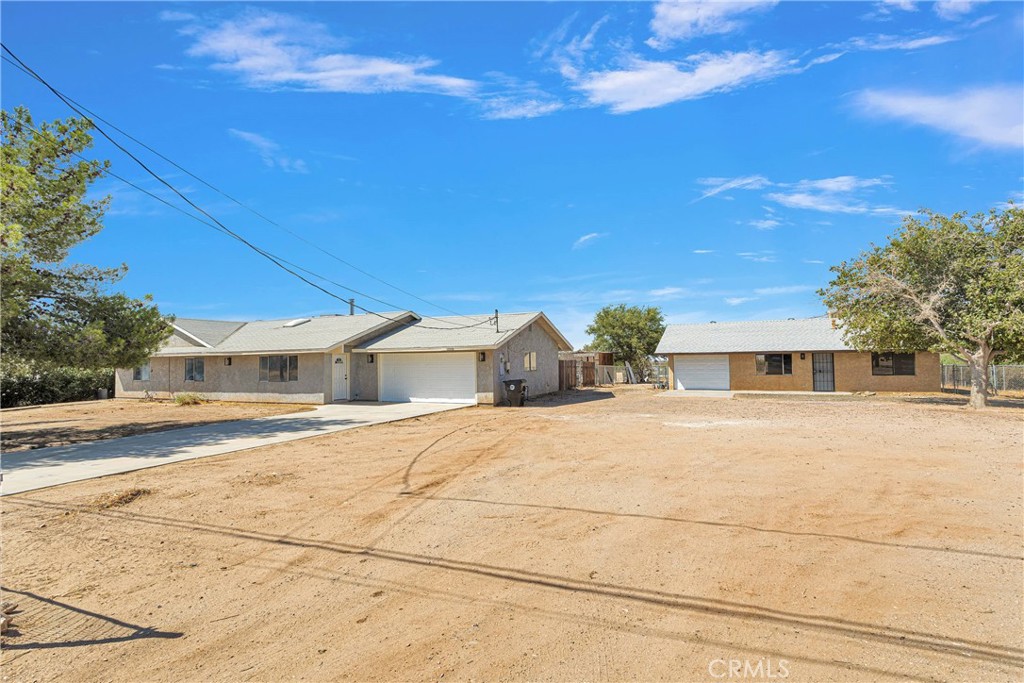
43 467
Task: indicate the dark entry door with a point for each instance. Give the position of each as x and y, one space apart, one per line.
824 372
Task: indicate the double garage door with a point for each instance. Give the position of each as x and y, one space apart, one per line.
702 372
428 377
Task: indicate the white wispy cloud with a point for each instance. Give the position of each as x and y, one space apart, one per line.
674 20
990 115
737 300
270 152
588 239
953 10
839 194
518 108
271 50
642 84
905 5
720 185
669 293
765 224
832 203
509 97
842 183
813 260
763 256
883 42
703 251
569 55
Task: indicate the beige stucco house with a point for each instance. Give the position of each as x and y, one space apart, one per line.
391 357
807 354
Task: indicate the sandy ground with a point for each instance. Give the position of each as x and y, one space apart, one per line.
39 427
622 538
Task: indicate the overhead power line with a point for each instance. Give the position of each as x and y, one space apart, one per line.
212 221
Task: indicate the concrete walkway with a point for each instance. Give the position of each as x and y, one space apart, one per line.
696 393
43 467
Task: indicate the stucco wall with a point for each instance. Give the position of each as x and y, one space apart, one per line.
236 382
852 373
362 377
543 380
485 370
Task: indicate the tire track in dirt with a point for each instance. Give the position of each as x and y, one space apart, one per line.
382 512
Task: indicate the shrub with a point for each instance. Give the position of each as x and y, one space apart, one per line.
24 383
188 398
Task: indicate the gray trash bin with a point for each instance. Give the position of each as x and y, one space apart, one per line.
103 394
516 391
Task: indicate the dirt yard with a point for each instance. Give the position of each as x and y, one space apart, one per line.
39 427
628 537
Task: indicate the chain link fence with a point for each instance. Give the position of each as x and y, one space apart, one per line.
1001 377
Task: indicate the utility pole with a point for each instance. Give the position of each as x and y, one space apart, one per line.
497 328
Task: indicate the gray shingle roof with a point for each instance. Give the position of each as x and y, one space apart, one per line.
453 333
271 336
803 334
212 332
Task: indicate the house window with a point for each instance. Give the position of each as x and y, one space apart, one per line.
195 369
530 361
892 364
773 364
369 358
141 373
279 368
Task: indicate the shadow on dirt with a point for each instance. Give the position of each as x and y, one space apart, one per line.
44 623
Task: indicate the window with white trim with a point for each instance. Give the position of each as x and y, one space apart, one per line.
195 369
279 368
141 373
530 361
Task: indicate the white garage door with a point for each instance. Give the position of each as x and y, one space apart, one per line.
428 377
702 372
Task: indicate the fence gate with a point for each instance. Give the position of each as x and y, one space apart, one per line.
589 373
824 372
566 374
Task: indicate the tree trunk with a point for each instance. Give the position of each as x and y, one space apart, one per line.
978 362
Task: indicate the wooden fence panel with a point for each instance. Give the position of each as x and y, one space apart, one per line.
566 374
589 373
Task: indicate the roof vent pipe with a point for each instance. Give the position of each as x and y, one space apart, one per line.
351 306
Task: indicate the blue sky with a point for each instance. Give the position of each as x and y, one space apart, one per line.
711 159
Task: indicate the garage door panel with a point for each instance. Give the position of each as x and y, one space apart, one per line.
428 377
702 372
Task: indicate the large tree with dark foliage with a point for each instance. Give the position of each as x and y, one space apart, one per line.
632 332
51 310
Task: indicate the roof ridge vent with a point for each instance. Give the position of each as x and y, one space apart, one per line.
296 322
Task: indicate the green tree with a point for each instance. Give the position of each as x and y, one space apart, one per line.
50 310
948 284
632 332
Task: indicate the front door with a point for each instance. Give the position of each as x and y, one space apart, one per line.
824 372
339 364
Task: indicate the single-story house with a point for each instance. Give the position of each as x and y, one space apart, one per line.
392 357
807 354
